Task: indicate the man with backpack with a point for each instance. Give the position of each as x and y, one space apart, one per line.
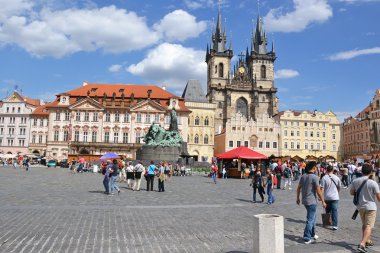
288 175
366 191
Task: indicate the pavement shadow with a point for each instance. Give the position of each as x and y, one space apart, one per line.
102 192
348 246
294 238
245 200
295 221
236 252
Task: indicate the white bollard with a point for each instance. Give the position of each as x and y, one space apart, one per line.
269 236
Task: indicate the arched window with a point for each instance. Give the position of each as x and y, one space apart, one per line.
220 105
263 72
196 139
196 121
242 107
216 69
205 140
220 69
206 121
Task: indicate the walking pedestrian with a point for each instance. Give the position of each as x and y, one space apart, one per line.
330 186
224 172
278 172
123 173
257 185
150 176
351 171
130 175
269 185
139 170
345 176
27 164
214 172
367 191
114 174
288 175
106 179
161 178
309 186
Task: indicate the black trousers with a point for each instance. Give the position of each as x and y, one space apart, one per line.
345 180
279 177
260 189
161 186
149 182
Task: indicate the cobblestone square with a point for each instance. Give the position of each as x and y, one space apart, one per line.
52 210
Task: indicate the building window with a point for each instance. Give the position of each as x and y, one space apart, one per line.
311 134
324 134
147 118
138 118
312 146
77 117
94 136
305 124
292 145
246 144
10 142
86 116
57 116
179 120
157 118
65 135
221 70
298 145
125 137
126 117
317 134
263 72
274 144
167 119
85 135
285 132
106 137
205 139
334 147
285 145
196 139
260 144
95 117
292 133
298 133
56 135
108 117
40 139
115 137
138 137
333 127
238 143
333 136
33 139
306 146
1 141
231 144
242 107
76 136
267 144
67 116
206 121
196 121
324 146
305 133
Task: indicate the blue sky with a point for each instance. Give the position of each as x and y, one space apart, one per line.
328 50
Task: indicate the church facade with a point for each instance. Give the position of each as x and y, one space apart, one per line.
244 93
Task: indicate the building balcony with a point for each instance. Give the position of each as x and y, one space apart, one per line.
104 144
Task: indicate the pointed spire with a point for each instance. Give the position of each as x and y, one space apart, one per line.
247 55
273 47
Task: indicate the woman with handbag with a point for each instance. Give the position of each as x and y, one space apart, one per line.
257 185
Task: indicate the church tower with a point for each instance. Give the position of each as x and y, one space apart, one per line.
218 59
261 68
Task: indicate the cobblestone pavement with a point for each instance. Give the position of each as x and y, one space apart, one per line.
52 210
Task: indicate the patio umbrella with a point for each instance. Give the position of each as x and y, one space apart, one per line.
82 160
109 156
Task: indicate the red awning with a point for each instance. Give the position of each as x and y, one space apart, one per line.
241 152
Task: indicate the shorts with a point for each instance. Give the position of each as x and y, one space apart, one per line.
368 217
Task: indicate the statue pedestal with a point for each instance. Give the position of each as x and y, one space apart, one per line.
158 153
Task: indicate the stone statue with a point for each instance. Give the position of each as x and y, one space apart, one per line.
173 121
158 136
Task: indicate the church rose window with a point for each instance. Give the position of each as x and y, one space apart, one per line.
242 107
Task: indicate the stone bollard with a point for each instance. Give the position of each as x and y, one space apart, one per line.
269 235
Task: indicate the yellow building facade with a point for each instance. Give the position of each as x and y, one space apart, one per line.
305 133
200 139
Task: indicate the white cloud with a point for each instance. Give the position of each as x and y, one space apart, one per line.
358 1
13 7
169 64
347 55
286 73
59 33
343 115
305 13
179 25
115 68
196 4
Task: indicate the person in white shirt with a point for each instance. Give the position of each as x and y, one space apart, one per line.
130 175
139 170
330 185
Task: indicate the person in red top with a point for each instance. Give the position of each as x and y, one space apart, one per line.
214 172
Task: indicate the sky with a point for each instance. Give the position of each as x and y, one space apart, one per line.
328 51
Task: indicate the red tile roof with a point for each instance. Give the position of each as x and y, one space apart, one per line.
41 111
31 101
